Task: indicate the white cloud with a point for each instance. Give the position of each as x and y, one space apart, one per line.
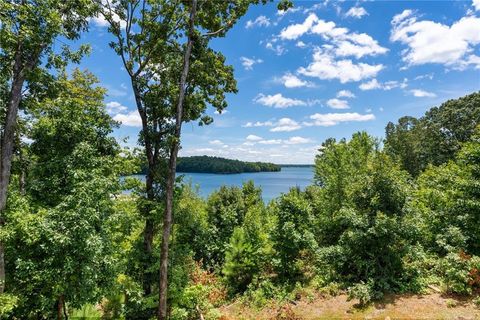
253 137
343 43
422 93
345 94
258 124
389 85
216 142
358 45
131 119
277 48
221 112
300 44
289 10
338 104
476 4
272 141
356 12
248 63
285 125
433 42
292 81
294 31
260 21
278 101
101 22
297 140
282 125
326 67
115 107
331 119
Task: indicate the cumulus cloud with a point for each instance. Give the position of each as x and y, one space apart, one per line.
260 21
343 42
258 124
285 125
292 81
278 101
115 107
271 141
422 93
248 63
331 119
290 141
326 67
275 47
389 85
131 119
433 42
297 140
356 12
253 137
216 142
300 44
101 22
282 125
338 104
476 4
345 94
294 31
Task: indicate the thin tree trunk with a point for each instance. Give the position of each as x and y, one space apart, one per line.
6 145
148 234
60 308
172 164
148 231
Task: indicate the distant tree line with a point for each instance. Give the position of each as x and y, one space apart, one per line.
206 164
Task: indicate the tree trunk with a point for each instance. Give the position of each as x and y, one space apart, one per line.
60 303
148 234
6 145
148 231
172 165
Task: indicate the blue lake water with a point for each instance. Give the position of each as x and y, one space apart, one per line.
273 184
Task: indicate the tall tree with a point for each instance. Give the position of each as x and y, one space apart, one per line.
436 137
59 244
164 46
28 31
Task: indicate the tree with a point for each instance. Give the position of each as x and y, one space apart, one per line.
292 234
434 138
60 242
175 75
28 31
365 237
447 199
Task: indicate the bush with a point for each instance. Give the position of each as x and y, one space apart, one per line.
461 272
362 292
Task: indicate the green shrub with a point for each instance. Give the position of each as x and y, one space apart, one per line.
460 272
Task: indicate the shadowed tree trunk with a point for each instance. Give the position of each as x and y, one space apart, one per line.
6 145
172 164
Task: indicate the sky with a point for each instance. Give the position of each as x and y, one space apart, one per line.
322 69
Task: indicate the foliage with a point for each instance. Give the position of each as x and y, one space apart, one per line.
366 239
460 272
292 234
434 138
447 200
208 164
58 241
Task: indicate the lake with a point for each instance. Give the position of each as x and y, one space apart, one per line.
273 184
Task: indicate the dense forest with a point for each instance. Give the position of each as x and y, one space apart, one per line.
383 216
206 164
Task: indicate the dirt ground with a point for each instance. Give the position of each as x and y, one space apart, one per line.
431 306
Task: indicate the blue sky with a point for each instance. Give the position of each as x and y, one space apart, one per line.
320 70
